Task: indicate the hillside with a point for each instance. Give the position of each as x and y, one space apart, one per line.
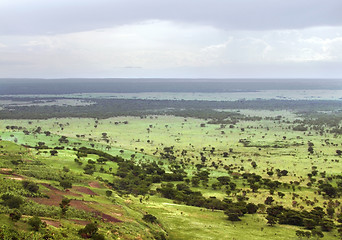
171 177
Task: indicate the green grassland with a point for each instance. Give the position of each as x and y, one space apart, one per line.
269 142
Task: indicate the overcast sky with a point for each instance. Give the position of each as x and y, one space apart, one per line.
171 38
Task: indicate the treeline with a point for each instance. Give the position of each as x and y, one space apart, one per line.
308 219
83 152
105 108
319 120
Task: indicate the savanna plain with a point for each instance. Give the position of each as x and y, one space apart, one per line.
79 168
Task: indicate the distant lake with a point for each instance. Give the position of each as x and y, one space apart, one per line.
221 96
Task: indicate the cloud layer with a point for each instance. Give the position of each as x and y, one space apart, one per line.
65 16
153 38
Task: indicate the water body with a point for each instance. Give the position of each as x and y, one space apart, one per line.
226 96
82 90
210 96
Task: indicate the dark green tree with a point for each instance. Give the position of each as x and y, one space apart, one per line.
89 231
109 193
150 218
327 225
251 208
64 205
271 220
65 184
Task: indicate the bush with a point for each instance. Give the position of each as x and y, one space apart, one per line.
300 128
251 208
12 201
159 236
65 184
15 215
89 169
89 231
53 152
98 236
35 223
30 186
149 218
234 217
109 193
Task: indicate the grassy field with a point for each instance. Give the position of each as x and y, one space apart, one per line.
267 148
270 143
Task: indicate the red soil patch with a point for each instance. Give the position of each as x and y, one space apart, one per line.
106 217
81 205
83 190
14 176
59 192
53 200
78 204
49 187
95 185
17 177
52 223
56 197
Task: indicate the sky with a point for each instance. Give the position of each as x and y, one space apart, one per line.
171 38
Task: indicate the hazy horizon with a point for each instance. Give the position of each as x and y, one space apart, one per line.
134 85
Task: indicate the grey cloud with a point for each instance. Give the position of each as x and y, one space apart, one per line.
6 63
32 17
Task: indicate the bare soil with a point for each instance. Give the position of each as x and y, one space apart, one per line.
56 196
83 190
95 185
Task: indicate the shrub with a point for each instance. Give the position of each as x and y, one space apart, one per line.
30 186
64 205
89 169
109 193
89 231
15 215
12 201
251 208
35 223
65 184
149 218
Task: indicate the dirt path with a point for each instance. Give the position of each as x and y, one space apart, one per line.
95 185
14 176
52 223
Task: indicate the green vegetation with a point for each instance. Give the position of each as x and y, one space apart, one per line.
198 174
